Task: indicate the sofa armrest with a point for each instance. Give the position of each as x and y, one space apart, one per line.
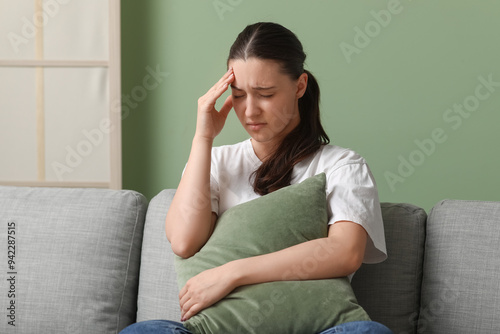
158 292
461 283
76 260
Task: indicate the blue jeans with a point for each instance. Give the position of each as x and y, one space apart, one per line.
172 327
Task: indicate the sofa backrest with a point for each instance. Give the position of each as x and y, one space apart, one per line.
389 291
461 282
73 259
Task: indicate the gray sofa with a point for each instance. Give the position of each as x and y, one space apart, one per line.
94 261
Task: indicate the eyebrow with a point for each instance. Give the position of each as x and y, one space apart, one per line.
255 88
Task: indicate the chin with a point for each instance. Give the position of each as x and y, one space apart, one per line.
264 139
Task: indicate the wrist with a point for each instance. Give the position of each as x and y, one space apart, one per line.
203 140
235 273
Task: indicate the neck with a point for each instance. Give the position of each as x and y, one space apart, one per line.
263 150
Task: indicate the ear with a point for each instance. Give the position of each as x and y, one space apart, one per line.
301 85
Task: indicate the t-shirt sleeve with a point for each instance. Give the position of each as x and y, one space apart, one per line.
214 182
352 195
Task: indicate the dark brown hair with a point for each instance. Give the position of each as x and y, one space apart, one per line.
266 40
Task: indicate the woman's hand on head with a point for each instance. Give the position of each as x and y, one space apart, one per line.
204 290
210 121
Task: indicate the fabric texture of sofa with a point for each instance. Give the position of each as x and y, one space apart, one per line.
94 261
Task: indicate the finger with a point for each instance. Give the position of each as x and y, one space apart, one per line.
226 107
226 75
221 86
186 305
187 308
182 292
183 300
192 311
222 80
207 102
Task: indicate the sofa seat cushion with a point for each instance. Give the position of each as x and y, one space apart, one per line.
76 263
461 283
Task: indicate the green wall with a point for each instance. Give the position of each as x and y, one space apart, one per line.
404 83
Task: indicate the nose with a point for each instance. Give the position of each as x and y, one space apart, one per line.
251 107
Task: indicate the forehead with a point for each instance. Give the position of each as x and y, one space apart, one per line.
255 72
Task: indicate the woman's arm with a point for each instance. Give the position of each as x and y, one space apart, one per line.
190 220
340 254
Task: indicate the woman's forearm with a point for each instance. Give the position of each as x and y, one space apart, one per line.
338 255
189 221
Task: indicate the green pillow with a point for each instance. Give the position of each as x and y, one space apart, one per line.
281 219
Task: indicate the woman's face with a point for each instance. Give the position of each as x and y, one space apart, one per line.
265 99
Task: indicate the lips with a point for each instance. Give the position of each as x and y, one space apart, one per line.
255 125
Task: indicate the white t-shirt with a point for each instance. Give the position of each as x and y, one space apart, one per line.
351 190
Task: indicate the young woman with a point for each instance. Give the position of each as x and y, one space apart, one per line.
277 102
